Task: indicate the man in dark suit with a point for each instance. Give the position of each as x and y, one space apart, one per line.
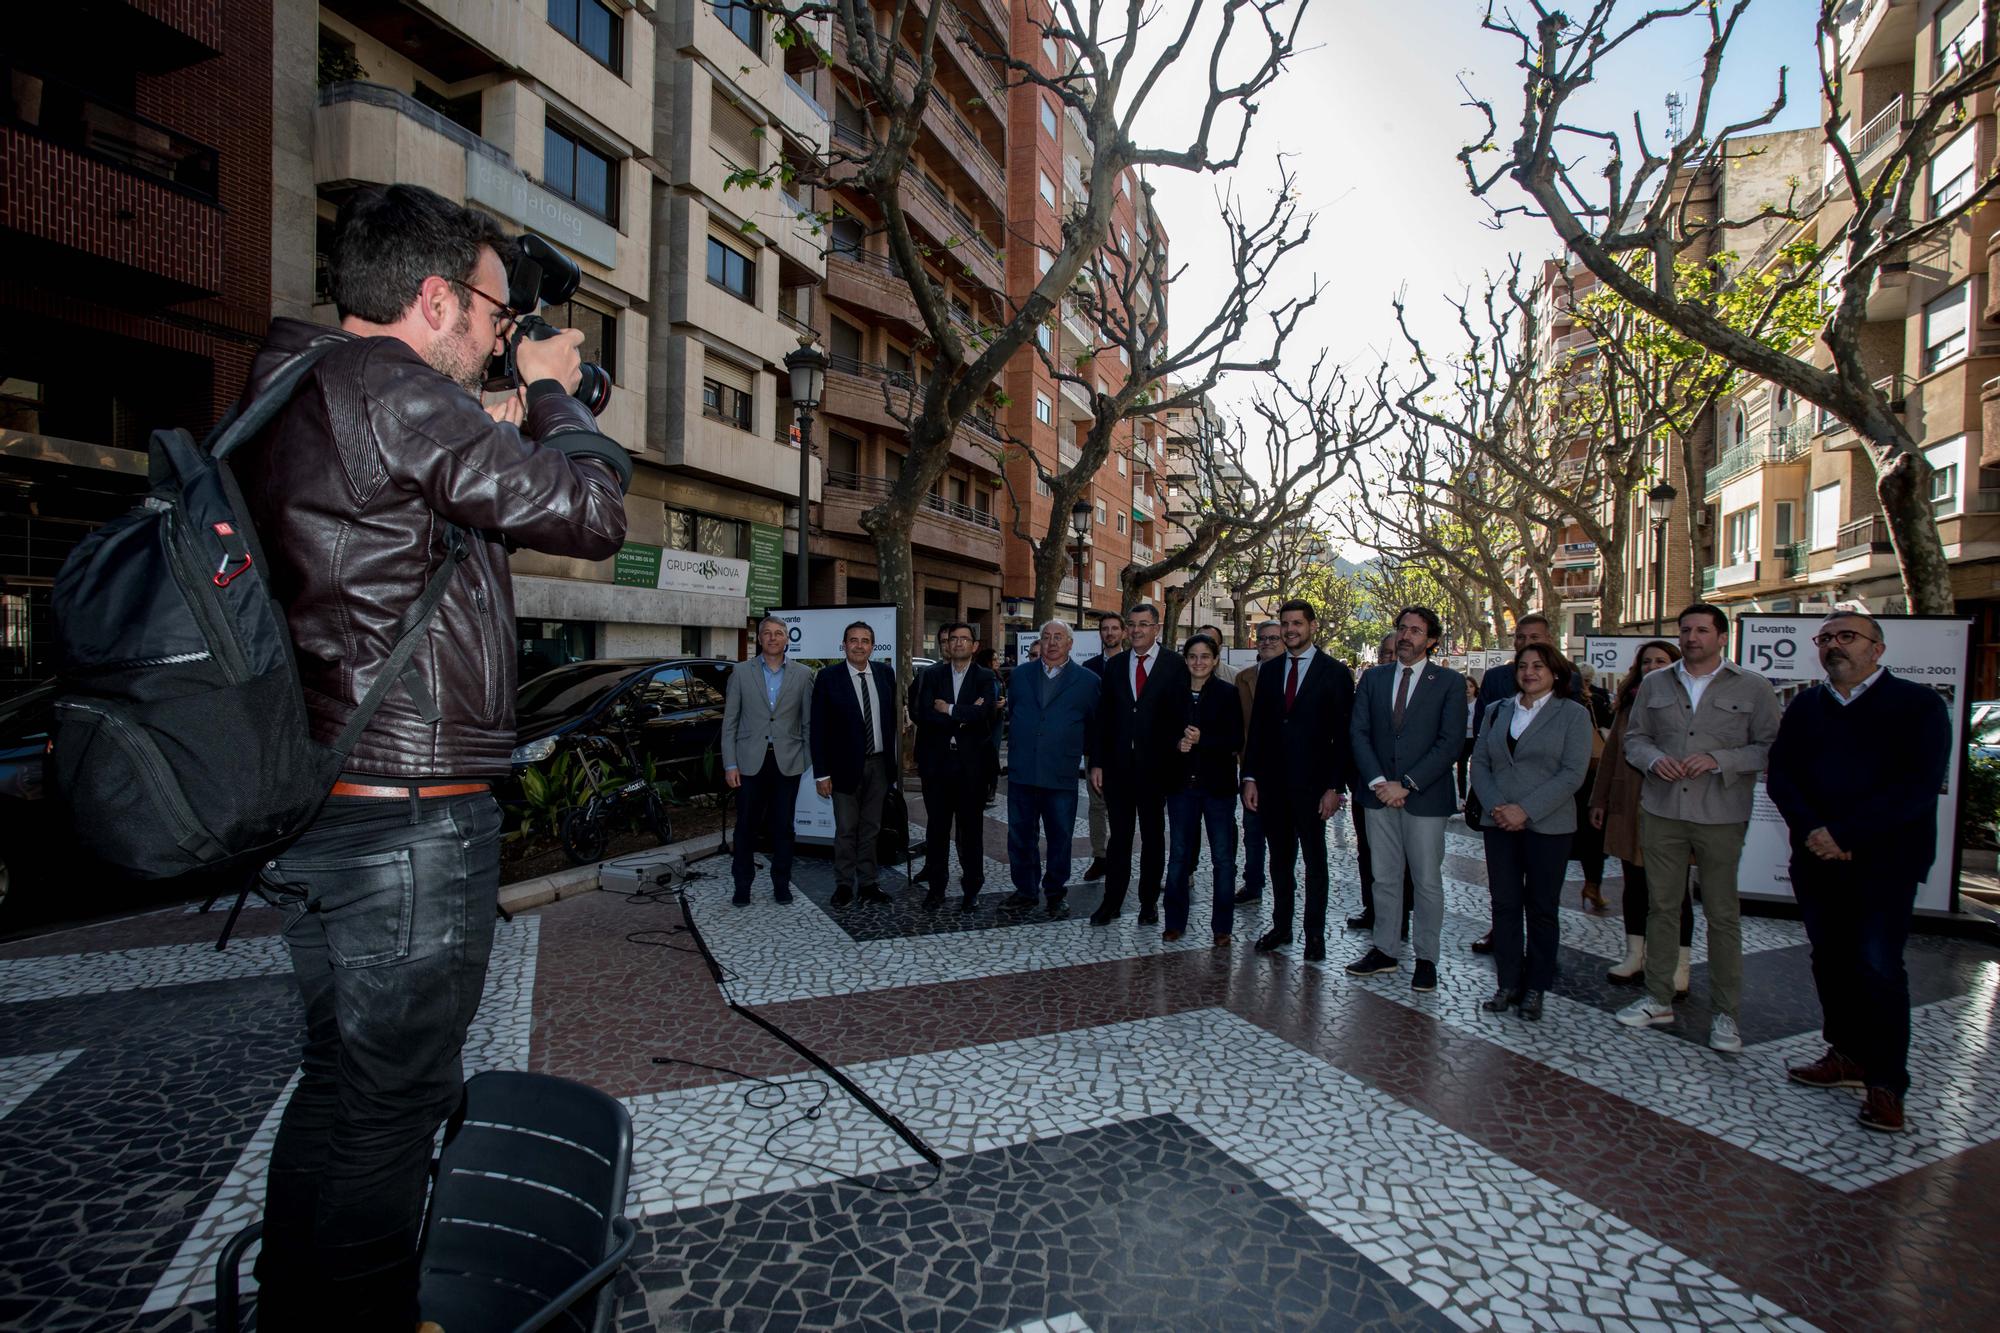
1111 637
1141 713
1408 727
854 758
1296 764
955 706
1050 709
1385 653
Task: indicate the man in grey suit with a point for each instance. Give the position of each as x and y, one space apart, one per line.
1408 727
765 717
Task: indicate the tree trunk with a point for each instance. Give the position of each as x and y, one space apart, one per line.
1903 486
1052 563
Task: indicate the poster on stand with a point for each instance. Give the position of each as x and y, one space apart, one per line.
1930 650
816 633
1613 654
1088 644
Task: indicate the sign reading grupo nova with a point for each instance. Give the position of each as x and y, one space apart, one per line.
638 565
513 195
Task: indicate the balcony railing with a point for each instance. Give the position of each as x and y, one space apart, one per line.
1580 592
1863 536
1142 503
1781 445
74 118
1142 554
1707 580
851 137
1795 558
806 97
876 488
1881 130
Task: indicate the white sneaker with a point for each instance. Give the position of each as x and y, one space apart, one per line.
1722 1034
1643 1012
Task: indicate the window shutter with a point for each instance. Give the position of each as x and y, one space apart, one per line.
734 134
727 373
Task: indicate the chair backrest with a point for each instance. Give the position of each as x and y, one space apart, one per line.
529 1185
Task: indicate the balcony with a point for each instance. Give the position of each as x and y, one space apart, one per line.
1142 505
1707 580
1142 554
942 526
1796 559
1884 33
1785 444
1863 539
951 232
1582 340
1881 132
1738 574
868 281
1889 293
1073 403
1576 553
1836 434
1572 592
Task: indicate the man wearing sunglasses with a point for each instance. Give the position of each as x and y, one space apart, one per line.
1864 835
380 469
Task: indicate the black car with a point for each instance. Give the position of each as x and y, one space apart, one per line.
674 706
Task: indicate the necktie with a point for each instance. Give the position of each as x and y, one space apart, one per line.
1292 684
867 709
1402 696
1139 679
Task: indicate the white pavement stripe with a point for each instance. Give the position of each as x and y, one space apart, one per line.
22 1075
61 975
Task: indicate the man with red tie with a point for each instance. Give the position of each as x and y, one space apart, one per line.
1141 714
1296 764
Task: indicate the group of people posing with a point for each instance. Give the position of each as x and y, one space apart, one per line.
1173 744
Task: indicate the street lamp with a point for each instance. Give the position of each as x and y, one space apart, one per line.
807 365
1079 523
1660 507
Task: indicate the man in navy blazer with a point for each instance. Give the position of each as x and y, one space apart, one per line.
854 758
1140 716
1051 704
1408 727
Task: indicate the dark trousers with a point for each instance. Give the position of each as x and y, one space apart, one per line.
1253 851
1464 767
766 803
1525 872
388 909
1857 919
857 825
1366 865
1635 905
1187 811
1127 800
1037 815
1293 831
1586 846
954 797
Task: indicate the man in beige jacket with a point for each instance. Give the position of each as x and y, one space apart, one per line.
1700 731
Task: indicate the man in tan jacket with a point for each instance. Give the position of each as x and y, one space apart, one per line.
1700 731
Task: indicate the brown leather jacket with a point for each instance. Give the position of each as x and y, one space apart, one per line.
354 489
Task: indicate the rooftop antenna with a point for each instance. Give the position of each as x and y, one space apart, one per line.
1674 116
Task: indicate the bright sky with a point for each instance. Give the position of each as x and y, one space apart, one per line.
1370 117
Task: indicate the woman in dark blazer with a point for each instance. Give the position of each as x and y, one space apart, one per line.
1204 791
1528 765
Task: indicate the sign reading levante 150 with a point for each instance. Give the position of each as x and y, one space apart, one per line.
638 565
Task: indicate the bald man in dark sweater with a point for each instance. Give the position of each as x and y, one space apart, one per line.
1856 771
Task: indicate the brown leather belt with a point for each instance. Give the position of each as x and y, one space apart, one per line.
404 793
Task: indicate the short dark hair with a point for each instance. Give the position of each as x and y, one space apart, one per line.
1111 615
388 239
1213 631
1536 618
859 624
1207 639
767 619
945 630
1559 666
1147 607
1432 625
1720 616
1297 604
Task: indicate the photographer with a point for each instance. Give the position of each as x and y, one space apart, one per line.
381 470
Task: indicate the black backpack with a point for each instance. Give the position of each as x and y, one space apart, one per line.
181 741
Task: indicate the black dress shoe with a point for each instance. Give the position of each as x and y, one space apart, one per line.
1500 1001
871 894
1103 916
1149 916
1059 905
740 898
934 900
1273 939
1484 944
969 901
1315 951
1373 963
1425 978
1531 1005
1095 870
843 895
1362 922
1020 900
781 895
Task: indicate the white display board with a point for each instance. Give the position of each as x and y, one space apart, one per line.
816 633
1240 657
1089 643
1929 650
1613 654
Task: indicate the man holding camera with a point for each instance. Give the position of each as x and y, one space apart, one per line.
383 468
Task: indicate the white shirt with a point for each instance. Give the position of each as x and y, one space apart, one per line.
1845 699
1525 713
1151 658
958 680
864 689
1053 671
1305 661
1402 674
1696 685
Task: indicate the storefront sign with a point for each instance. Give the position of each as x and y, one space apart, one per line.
638 565
767 567
513 195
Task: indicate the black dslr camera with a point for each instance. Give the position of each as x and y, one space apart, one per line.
543 275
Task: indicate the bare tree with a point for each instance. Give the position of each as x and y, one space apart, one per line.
1629 211
1107 81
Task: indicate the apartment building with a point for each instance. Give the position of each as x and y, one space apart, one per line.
1190 476
135 213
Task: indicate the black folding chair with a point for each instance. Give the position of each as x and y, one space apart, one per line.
526 1226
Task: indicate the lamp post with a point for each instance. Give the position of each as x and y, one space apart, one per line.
1079 523
1660 507
807 365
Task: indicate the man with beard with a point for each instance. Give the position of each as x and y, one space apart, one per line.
1110 642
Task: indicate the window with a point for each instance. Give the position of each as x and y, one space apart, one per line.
1124 357
1784 529
1049 117
1102 517
844 344
1121 465
1955 31
732 271
1946 460
733 133
592 25
745 22
1121 522
1740 536
1042 339
1042 485
843 454
577 171
1046 187
1051 52
1044 409
1824 517
1951 173
1044 260
1945 329
848 237
706 534
1100 572
725 395
600 331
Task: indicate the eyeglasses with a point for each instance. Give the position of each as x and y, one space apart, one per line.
1843 637
503 313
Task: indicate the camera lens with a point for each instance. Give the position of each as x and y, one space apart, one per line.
594 389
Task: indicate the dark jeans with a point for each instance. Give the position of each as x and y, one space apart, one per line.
1127 802
388 909
1525 873
1464 767
954 797
1293 831
1857 919
766 803
1586 846
1187 811
1253 851
1365 863
857 825
1635 905
1036 815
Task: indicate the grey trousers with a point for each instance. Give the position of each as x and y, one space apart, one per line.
1100 823
1397 839
857 825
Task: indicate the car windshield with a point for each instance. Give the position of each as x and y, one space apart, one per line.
570 690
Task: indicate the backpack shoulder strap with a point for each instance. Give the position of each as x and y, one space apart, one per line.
456 551
248 416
